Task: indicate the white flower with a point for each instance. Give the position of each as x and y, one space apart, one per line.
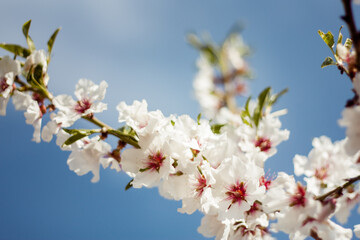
326 167
204 87
9 69
51 128
351 120
151 163
21 100
90 156
33 114
36 58
357 230
88 95
211 226
238 186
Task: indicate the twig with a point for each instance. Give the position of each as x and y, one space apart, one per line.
355 35
339 189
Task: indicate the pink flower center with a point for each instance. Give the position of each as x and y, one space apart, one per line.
154 161
254 208
82 106
298 199
3 84
265 182
263 143
236 193
200 185
321 173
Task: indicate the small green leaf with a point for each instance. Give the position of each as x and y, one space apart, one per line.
16 49
216 128
70 131
210 52
328 39
275 97
126 134
198 118
340 37
29 41
348 43
327 62
247 112
262 99
78 134
208 49
38 74
245 121
129 185
172 123
74 138
51 41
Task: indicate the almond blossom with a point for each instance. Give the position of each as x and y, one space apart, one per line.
9 69
88 94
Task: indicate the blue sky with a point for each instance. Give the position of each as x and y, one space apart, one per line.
139 48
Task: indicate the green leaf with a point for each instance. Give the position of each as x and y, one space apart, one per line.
208 49
327 62
51 41
16 49
126 134
348 43
245 121
340 37
129 185
74 138
29 41
210 52
172 123
247 112
216 128
262 99
38 74
78 134
328 39
275 97
198 118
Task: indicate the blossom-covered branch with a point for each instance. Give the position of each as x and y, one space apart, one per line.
214 165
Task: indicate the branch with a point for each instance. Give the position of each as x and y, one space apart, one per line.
355 35
339 189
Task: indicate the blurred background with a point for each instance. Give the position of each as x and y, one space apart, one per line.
139 48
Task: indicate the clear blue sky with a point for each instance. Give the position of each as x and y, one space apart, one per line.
139 48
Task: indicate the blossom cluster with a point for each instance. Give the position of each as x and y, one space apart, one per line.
213 166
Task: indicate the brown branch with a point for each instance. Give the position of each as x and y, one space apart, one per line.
339 189
355 35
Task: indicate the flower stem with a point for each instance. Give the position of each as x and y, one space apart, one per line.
339 189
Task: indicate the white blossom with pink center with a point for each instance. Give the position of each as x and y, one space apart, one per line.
264 139
237 187
300 215
88 95
151 163
326 167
